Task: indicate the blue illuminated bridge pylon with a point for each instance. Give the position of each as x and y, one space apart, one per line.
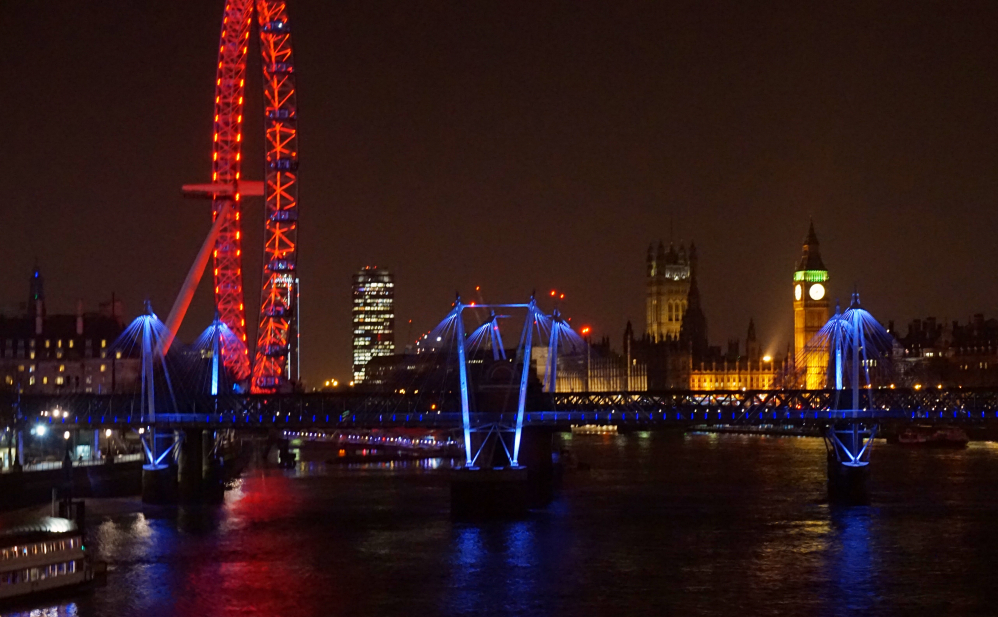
856 348
485 430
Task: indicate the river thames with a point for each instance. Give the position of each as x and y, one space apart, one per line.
662 524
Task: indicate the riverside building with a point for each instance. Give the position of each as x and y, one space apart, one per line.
373 317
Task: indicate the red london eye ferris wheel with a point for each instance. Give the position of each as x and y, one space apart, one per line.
275 364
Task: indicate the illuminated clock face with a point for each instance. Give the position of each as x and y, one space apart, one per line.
797 291
816 291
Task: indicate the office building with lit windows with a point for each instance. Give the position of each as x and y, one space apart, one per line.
373 317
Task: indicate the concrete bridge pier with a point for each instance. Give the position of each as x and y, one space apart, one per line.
159 480
848 445
213 470
847 485
190 465
159 484
495 489
536 454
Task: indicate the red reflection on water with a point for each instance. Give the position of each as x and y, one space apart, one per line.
259 565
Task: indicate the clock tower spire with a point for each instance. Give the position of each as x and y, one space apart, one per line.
810 311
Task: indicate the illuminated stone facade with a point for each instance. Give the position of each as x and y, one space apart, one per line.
735 371
667 285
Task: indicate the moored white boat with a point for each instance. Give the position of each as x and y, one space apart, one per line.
44 557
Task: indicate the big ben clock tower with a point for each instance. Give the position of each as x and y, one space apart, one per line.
810 312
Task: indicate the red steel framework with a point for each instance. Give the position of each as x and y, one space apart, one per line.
274 350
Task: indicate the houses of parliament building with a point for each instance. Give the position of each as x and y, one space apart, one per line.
674 352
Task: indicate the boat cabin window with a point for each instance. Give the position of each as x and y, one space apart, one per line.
37 574
40 548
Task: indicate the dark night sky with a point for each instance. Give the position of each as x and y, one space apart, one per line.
520 145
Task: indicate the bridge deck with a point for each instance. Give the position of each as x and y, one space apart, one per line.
440 410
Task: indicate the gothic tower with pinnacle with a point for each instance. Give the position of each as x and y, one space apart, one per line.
667 286
810 313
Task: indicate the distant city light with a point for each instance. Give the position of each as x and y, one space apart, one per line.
40 430
142 431
66 435
107 433
767 358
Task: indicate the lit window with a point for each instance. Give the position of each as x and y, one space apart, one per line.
117 355
103 367
58 343
71 343
60 380
45 380
103 343
47 343
62 368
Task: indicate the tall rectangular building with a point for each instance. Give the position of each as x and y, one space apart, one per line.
373 317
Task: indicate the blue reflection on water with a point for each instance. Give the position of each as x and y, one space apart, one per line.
495 568
64 610
854 588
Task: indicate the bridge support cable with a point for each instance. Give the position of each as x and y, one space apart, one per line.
215 334
148 334
463 373
498 348
527 345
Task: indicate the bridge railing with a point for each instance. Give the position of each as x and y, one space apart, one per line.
49 465
440 410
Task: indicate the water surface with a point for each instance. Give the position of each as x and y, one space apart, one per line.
662 524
